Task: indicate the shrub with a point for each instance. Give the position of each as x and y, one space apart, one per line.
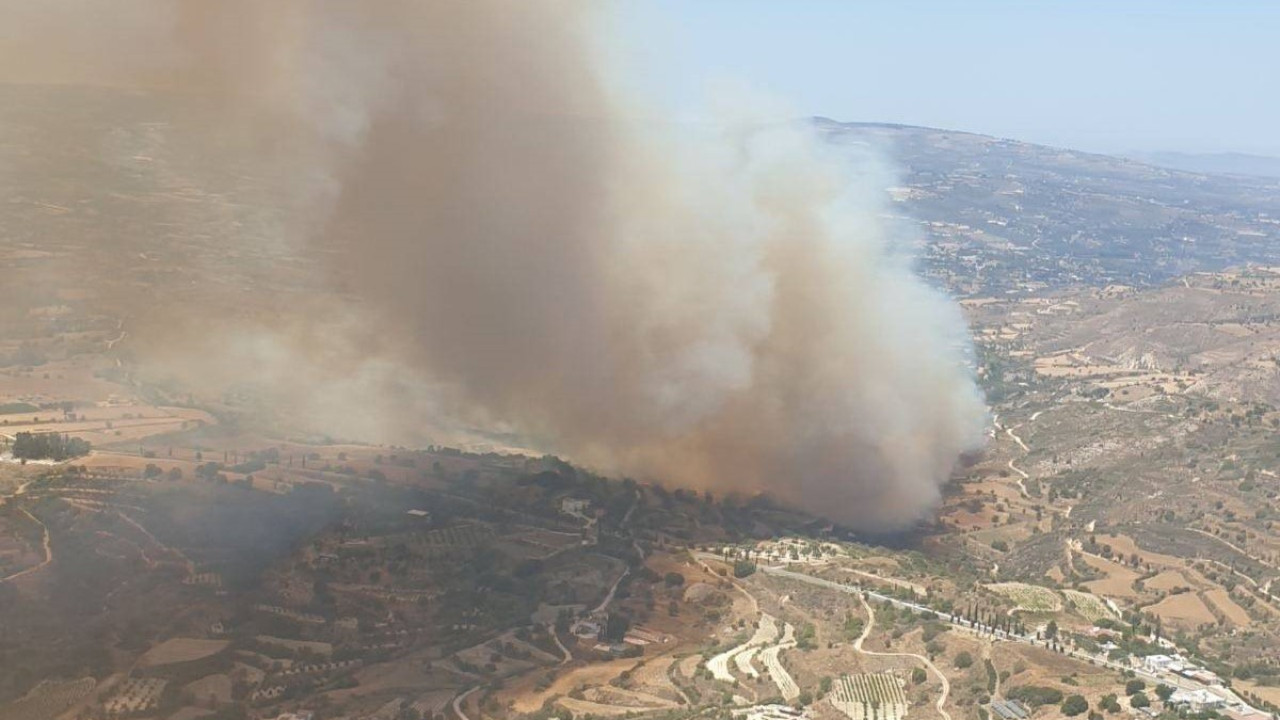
1035 695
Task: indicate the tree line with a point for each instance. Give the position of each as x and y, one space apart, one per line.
48 446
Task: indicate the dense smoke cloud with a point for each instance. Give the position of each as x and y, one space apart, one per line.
723 308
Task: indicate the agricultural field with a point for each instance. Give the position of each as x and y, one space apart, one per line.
48 700
875 696
1092 607
1029 598
135 695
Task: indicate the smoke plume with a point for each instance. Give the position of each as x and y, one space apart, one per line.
723 307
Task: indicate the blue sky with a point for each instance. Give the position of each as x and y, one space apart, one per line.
1103 76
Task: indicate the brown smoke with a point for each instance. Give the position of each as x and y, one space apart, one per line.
721 309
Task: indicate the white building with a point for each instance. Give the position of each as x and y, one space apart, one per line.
1197 700
1164 663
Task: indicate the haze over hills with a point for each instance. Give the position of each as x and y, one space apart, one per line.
1220 163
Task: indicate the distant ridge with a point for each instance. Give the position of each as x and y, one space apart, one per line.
1214 163
1237 164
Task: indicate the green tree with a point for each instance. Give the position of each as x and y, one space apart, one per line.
1134 687
1139 700
616 627
1075 705
963 660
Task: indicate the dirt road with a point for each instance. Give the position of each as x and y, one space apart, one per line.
866 631
48 548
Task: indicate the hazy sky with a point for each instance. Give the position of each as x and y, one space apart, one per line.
1104 76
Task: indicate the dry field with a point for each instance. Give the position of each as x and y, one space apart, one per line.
1267 692
180 650
529 700
1125 546
1118 582
216 687
1167 580
320 648
1184 609
1235 614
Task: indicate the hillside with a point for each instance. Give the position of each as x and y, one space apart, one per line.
1001 215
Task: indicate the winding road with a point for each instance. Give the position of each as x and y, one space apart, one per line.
48 548
568 656
457 703
866 631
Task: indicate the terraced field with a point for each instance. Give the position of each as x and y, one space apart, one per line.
787 686
766 632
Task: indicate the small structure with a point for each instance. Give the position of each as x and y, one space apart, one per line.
588 629
1009 710
769 712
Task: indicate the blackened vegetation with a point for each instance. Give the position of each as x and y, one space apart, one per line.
237 532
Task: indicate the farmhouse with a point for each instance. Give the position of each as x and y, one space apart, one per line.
586 629
1199 674
770 712
1164 663
1196 700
